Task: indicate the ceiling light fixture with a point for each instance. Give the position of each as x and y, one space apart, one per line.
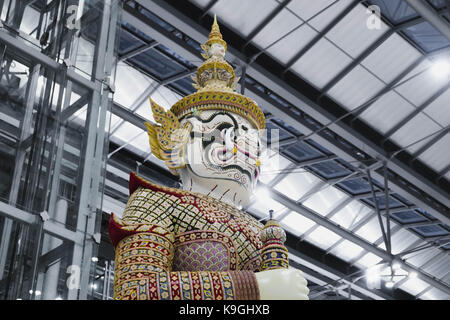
441 69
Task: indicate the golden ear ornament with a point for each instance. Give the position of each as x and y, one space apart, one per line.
167 137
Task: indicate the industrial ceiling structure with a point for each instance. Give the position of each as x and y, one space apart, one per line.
363 120
358 93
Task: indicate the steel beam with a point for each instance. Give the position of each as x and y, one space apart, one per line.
137 51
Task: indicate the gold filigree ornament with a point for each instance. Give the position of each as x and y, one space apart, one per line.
167 138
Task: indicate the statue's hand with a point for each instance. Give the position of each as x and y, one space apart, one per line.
282 284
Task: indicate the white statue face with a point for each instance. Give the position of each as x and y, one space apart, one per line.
221 157
217 50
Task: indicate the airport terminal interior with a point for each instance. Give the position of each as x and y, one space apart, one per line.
356 164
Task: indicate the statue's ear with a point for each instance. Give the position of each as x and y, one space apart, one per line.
167 138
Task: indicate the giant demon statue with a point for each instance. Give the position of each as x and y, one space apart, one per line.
196 243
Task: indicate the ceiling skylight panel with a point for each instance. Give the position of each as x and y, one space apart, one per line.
325 200
418 259
133 137
438 155
421 83
321 63
296 223
351 214
387 111
391 58
439 109
368 260
415 133
320 21
129 84
323 237
414 286
163 96
435 294
401 240
347 250
296 184
272 164
352 34
290 34
370 231
440 267
356 88
263 203
247 17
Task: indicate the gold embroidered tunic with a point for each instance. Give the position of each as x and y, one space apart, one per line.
175 244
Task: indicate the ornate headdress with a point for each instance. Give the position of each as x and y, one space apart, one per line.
215 82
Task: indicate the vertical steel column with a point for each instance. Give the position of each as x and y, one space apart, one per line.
93 146
25 132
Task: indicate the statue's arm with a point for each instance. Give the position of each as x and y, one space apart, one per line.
144 257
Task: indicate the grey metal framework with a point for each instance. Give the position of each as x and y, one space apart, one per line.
49 216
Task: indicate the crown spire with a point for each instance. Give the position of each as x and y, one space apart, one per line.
215 36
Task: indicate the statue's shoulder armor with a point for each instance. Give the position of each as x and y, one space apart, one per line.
150 203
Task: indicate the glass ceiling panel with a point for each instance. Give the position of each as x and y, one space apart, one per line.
356 186
421 83
382 202
382 116
420 258
414 286
130 83
272 164
323 238
351 214
240 20
325 200
356 88
330 169
435 294
391 58
408 217
301 151
289 36
157 64
412 134
439 109
368 260
347 250
440 267
396 11
438 155
296 223
321 63
401 240
370 231
427 37
325 17
134 136
128 42
264 203
296 184
352 35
